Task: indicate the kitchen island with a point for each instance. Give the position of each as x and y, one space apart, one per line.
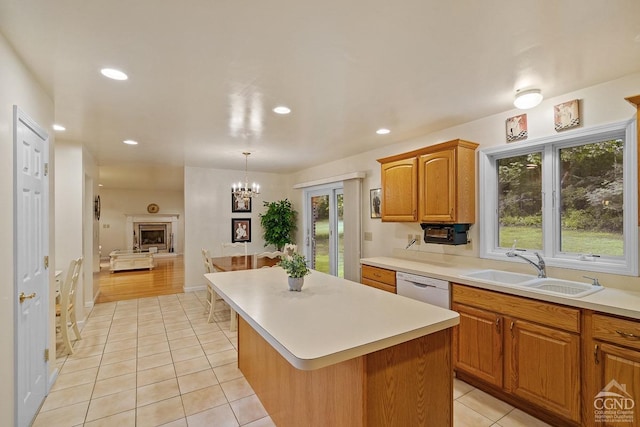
340 353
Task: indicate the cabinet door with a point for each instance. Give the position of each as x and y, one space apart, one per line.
617 371
437 182
400 190
478 344
545 367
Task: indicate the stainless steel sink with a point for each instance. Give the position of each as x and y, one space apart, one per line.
499 276
562 287
547 285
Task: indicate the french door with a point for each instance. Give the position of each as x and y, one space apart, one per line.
324 229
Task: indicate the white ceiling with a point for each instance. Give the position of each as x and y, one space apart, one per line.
204 75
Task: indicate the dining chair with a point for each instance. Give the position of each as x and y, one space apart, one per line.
270 255
65 310
227 246
212 297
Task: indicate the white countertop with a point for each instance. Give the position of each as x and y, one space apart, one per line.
608 300
331 320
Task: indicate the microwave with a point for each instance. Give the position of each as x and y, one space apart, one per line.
446 234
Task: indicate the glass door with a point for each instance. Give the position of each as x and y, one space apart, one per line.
324 230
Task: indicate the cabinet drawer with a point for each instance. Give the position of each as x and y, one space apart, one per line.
544 313
379 275
379 285
619 331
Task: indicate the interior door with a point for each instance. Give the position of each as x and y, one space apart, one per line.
325 230
31 152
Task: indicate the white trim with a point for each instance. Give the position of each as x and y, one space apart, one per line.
330 180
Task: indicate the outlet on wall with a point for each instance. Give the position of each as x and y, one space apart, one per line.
368 236
409 238
418 238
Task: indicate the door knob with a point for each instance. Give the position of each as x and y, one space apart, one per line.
24 297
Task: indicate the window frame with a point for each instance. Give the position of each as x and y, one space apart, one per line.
549 148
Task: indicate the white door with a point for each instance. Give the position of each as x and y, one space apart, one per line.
31 151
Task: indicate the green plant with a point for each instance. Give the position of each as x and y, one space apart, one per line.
278 223
295 265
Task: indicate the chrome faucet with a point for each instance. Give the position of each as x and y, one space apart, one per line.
541 267
410 243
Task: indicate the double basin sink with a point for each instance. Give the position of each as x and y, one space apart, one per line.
545 285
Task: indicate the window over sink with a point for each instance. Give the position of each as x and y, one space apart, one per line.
570 197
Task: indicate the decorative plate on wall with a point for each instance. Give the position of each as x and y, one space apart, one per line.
153 208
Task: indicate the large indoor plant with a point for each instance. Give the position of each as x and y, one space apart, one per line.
278 223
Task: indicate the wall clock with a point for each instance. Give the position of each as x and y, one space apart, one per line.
153 208
96 207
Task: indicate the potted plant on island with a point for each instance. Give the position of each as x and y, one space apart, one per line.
296 267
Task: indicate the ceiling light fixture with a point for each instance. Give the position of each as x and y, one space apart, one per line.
281 109
383 131
114 74
59 128
130 142
526 99
242 192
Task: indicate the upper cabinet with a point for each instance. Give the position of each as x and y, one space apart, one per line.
435 184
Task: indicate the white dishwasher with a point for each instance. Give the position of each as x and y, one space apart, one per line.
422 288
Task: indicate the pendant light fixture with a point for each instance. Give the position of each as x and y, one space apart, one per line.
242 191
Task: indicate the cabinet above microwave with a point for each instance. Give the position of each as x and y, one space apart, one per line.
435 184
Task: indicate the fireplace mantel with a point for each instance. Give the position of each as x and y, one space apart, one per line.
133 219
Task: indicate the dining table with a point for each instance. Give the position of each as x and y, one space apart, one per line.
242 262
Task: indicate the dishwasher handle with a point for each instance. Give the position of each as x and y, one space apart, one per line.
420 285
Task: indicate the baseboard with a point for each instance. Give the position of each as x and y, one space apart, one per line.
52 378
194 288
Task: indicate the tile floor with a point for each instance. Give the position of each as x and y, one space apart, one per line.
157 362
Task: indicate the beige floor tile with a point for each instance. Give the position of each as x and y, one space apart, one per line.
91 324
152 339
463 416
227 372
113 337
156 392
217 346
262 422
181 333
190 366
517 418
95 317
94 350
111 405
149 349
183 342
121 345
203 399
153 361
91 341
236 389
187 353
220 416
74 378
95 332
223 358
74 365
151 330
197 380
114 385
182 422
123 419
157 374
214 336
160 413
485 404
68 396
460 388
66 416
117 369
119 356
248 409
176 326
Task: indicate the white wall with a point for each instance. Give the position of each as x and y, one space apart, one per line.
207 208
17 87
117 203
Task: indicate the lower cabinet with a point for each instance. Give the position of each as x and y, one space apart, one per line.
527 349
380 278
612 365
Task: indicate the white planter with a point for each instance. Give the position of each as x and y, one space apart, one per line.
295 283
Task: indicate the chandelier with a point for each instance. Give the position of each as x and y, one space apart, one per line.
242 192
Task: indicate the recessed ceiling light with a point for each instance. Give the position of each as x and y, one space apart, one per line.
526 99
130 142
114 74
383 131
59 128
100 185
281 109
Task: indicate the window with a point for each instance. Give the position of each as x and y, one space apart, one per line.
569 197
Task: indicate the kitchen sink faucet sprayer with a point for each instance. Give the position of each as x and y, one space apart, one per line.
410 244
540 267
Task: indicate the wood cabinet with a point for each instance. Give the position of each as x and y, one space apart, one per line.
435 184
527 349
380 278
612 364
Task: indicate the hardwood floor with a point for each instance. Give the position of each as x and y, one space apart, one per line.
166 278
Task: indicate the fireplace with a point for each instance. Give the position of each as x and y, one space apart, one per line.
153 235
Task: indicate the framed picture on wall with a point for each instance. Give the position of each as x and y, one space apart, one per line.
375 203
517 128
566 115
240 204
240 230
